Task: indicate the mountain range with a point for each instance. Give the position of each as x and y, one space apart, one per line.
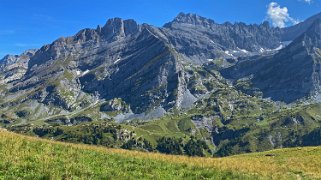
227 77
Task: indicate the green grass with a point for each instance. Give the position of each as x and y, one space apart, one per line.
168 126
31 158
24 157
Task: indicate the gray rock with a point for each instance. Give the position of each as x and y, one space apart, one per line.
154 70
291 74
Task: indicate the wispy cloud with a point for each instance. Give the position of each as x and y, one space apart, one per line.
4 32
279 16
307 1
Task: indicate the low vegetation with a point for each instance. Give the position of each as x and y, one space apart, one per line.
135 137
24 157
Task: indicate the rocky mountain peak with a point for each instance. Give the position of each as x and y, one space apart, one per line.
152 69
291 33
315 28
117 27
11 59
13 67
190 18
29 52
312 37
265 24
300 64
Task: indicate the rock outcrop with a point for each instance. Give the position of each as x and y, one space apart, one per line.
158 69
289 75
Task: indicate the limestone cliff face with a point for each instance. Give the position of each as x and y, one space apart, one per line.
200 39
293 32
119 60
154 70
14 67
289 75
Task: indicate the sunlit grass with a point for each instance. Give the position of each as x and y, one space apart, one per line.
32 158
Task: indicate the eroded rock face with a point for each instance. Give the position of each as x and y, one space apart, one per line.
200 39
14 67
115 105
119 60
144 69
154 70
290 74
293 32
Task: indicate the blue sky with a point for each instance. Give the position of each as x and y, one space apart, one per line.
33 23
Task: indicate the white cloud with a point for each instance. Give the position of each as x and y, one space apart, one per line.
279 16
307 1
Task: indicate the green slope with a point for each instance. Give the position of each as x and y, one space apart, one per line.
32 158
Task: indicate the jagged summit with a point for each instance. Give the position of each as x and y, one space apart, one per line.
28 52
291 74
199 38
290 33
120 27
194 19
197 73
190 18
310 39
13 67
10 59
153 70
315 28
114 29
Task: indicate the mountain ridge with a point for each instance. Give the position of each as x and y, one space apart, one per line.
298 63
102 48
86 51
231 86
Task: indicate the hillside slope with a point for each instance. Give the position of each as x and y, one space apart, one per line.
152 70
32 158
300 64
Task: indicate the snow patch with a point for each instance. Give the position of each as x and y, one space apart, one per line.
279 48
286 42
86 72
243 50
262 50
117 61
228 53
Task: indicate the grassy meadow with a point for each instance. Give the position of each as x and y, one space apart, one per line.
23 157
